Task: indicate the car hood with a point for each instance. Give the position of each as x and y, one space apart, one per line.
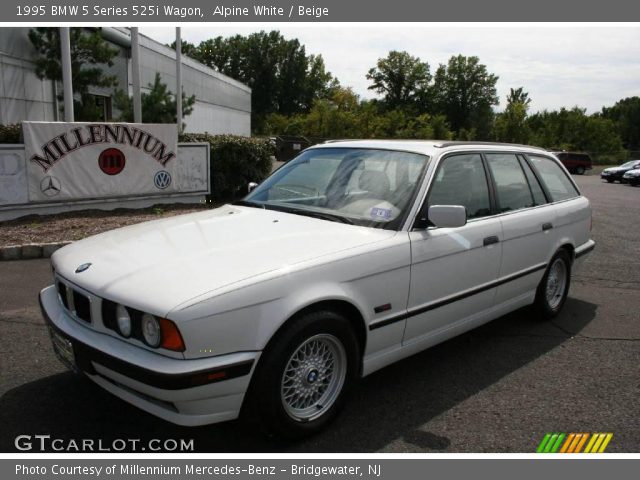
615 170
156 266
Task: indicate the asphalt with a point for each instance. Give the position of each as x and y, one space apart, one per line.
499 388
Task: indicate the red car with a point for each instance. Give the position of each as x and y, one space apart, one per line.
574 161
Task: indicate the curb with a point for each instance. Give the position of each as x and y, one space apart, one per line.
30 250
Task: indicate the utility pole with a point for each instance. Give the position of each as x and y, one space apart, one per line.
65 53
179 79
135 74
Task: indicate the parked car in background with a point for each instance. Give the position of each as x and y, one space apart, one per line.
632 177
617 173
348 258
574 161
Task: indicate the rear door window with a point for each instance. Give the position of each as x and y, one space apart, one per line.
534 185
511 184
554 178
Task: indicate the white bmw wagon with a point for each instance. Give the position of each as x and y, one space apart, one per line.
352 256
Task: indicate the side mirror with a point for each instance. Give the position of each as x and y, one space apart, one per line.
448 216
251 186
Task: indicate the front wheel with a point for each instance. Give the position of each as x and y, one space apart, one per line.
580 170
305 373
554 287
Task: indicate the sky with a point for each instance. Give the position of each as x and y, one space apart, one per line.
561 65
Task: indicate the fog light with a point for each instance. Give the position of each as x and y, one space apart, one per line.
124 321
151 330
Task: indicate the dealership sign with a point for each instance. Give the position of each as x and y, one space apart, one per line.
71 161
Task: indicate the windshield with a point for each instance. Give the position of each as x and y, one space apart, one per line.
630 164
365 187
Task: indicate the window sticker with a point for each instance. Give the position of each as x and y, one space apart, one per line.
378 213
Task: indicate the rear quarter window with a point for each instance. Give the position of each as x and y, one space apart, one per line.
558 184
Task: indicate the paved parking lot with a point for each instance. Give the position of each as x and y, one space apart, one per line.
499 388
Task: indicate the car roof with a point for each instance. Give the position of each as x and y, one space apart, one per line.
560 152
426 147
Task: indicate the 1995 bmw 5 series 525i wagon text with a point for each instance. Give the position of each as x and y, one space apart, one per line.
350 257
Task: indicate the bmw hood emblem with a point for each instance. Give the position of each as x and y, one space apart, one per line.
83 267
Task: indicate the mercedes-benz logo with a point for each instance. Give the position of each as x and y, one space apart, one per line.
50 186
162 179
83 267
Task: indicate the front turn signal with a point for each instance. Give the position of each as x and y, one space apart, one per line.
171 338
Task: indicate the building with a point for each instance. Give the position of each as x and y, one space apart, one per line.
223 105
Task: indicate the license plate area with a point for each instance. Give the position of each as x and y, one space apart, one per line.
63 349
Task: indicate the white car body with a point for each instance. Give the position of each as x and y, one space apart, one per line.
632 175
230 278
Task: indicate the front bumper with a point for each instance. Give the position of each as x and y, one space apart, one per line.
160 385
611 176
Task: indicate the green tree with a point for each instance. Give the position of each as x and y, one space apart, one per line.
89 54
511 125
626 115
188 49
401 79
518 95
283 77
465 92
575 130
158 105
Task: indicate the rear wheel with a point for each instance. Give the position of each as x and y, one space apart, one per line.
580 170
610 180
304 375
554 287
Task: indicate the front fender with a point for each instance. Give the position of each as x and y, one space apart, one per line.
246 319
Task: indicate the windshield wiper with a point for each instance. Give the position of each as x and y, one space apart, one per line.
248 203
321 215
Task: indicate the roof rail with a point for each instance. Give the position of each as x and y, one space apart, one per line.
501 144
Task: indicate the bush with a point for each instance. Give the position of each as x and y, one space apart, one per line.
11 133
235 161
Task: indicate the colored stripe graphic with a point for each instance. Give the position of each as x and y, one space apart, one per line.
567 442
581 442
592 440
574 442
551 443
606 441
556 446
598 443
543 443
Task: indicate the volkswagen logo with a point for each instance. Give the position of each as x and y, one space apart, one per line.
162 179
50 186
83 267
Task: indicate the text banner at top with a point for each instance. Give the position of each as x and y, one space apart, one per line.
92 11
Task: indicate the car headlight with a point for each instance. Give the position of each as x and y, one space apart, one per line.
151 330
124 321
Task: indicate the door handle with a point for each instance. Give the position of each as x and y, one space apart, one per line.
490 240
547 226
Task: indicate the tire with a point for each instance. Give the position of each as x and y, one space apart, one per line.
580 170
553 289
610 180
304 375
